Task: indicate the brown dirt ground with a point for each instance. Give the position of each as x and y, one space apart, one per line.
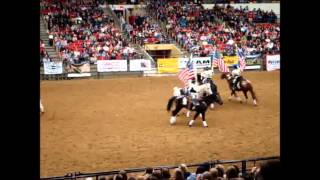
99 125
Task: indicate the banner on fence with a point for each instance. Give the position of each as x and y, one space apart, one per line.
253 61
140 65
111 65
81 70
230 60
52 67
199 62
168 65
273 62
202 62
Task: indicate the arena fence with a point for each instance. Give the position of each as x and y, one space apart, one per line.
143 67
244 168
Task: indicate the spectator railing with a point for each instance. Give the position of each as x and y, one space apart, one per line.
212 163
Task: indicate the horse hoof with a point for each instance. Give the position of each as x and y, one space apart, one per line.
206 126
241 102
189 125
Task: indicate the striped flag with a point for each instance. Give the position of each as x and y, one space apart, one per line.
218 61
242 58
187 74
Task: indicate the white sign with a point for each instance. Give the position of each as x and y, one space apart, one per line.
253 67
199 62
140 65
52 67
79 74
111 65
273 62
202 62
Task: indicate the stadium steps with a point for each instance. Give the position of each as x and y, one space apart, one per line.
138 49
44 36
184 52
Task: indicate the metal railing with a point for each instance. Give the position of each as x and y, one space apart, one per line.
212 163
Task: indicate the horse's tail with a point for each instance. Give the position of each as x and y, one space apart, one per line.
170 102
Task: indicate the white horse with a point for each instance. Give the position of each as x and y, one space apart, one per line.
41 107
200 91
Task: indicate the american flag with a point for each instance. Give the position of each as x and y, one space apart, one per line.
218 61
187 74
242 58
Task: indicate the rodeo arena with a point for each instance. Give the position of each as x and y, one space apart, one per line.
159 89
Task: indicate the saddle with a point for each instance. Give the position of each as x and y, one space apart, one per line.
238 80
195 102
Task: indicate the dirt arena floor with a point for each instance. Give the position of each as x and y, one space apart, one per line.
99 125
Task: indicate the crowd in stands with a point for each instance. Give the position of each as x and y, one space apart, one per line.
202 31
269 170
143 31
80 31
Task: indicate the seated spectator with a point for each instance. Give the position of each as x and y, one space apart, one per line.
178 174
270 170
185 171
124 174
165 174
148 172
220 169
232 173
214 173
206 176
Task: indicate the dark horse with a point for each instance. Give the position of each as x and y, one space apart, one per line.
200 108
243 85
213 88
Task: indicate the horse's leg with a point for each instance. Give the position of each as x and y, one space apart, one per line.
237 97
204 119
173 118
189 106
253 97
232 94
194 118
245 93
188 113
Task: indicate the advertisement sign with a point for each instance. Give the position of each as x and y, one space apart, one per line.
230 60
140 65
52 67
168 65
111 65
79 70
199 62
273 62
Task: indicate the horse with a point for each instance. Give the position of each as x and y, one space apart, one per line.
243 85
200 108
212 86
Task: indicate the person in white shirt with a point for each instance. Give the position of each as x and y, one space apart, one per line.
236 74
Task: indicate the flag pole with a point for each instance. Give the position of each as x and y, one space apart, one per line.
194 66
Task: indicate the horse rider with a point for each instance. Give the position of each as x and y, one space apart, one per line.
206 75
192 94
236 74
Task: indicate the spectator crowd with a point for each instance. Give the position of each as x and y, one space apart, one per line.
269 170
202 31
81 31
